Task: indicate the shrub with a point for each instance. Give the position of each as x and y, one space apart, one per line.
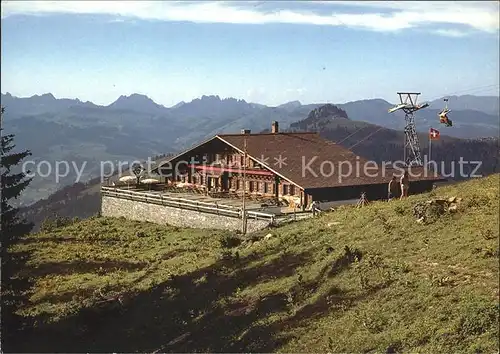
372 321
52 223
346 257
477 201
229 241
487 234
478 319
429 212
399 210
490 252
229 256
434 211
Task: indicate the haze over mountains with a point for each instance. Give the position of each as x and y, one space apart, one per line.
486 104
474 116
135 127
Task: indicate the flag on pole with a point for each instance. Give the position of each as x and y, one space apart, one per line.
433 134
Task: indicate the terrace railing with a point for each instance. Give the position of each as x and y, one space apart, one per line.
183 203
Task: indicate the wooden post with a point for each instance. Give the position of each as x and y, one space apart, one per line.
276 187
430 148
243 207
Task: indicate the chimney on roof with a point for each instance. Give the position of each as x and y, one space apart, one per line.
245 131
274 127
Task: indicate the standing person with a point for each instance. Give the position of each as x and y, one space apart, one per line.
392 188
314 208
405 184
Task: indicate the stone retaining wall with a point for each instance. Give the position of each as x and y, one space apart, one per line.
133 210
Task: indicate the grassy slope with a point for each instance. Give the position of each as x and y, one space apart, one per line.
401 286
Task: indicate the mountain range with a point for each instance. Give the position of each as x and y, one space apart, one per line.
135 127
473 115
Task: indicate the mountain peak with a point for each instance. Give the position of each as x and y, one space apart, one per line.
139 95
136 102
320 117
328 111
210 98
177 105
134 96
217 99
290 105
45 96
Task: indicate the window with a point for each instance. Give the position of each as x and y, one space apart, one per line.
292 190
237 184
251 186
285 189
257 186
266 187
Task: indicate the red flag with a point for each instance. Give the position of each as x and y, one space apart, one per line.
433 134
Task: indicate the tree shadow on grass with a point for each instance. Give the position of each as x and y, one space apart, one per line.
13 292
195 312
81 266
37 240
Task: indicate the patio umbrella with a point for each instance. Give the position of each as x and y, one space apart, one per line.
150 181
127 179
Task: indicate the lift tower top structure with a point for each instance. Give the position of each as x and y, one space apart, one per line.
409 106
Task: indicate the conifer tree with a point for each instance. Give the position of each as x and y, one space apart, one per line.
13 182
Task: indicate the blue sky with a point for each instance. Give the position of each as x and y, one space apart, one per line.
265 52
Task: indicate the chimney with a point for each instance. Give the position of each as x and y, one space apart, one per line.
274 127
245 131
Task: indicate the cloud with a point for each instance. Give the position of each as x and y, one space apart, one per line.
451 33
386 16
478 15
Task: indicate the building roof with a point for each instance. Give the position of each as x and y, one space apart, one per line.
308 160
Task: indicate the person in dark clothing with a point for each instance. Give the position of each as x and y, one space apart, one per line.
393 188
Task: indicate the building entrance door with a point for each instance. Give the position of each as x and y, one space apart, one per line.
225 181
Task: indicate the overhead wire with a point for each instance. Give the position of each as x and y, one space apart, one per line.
380 128
470 90
366 137
347 137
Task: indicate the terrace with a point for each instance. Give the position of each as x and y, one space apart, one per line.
190 197
253 200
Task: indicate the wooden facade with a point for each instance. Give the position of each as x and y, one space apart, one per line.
223 170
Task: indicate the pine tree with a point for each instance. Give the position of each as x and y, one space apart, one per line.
12 184
11 228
